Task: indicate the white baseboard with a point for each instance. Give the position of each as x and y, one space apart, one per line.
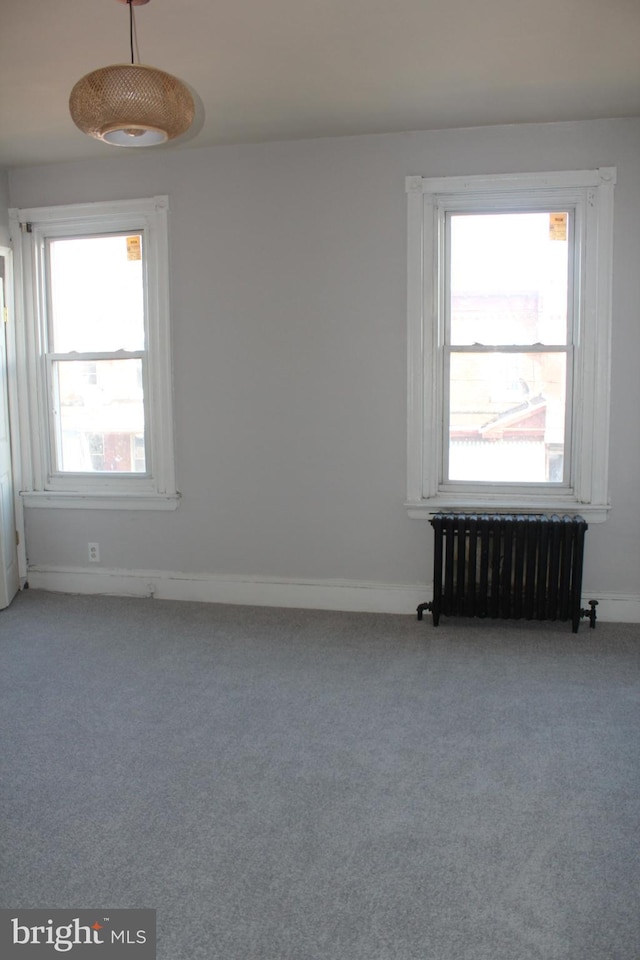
348 595
614 607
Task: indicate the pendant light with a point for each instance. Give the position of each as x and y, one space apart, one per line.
131 105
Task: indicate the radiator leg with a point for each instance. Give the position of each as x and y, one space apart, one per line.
591 614
432 607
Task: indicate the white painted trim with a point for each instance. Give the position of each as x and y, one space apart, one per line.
348 595
14 419
615 607
415 349
428 199
101 501
496 503
39 484
554 180
340 595
95 212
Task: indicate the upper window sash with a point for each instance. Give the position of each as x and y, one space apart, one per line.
589 193
576 247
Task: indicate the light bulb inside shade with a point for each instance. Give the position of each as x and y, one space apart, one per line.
134 137
131 105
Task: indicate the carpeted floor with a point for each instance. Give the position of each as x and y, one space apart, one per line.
306 785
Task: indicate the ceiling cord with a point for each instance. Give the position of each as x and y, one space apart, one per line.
133 35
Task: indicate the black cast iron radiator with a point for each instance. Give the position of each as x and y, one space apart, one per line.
509 566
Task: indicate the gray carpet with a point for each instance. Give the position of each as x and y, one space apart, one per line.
307 785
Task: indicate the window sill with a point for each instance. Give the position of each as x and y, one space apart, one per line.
423 509
100 501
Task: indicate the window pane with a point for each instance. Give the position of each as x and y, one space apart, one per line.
97 301
509 278
507 416
99 416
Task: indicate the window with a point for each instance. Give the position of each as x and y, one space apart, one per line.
96 355
509 316
507 345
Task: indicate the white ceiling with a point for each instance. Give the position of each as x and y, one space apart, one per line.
288 69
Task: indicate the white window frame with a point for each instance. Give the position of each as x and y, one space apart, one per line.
590 194
40 485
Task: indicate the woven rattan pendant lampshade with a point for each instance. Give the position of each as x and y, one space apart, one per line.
130 104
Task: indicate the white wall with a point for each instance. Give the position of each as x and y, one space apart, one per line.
288 289
4 203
